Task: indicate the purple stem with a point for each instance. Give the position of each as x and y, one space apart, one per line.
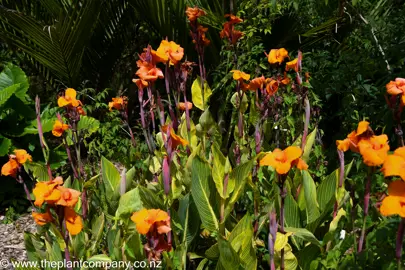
400 239
166 175
76 175
67 254
152 103
306 124
283 194
143 122
272 237
366 207
41 135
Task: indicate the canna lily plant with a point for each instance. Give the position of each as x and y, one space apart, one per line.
246 198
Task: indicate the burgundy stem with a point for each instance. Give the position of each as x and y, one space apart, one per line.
306 124
399 241
67 253
283 194
272 237
366 207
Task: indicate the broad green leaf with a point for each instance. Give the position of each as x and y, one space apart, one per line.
333 225
206 120
200 190
202 264
97 231
13 75
241 239
281 241
241 174
53 251
308 146
303 234
114 242
221 166
111 178
149 199
199 97
99 258
213 252
188 215
134 248
154 165
292 212
79 245
307 255
39 171
129 202
227 255
311 209
193 139
7 92
5 144
327 188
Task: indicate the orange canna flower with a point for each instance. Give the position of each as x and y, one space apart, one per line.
301 164
282 160
150 220
182 106
194 13
149 73
292 65
42 218
397 87
140 83
285 80
176 140
271 86
10 168
233 19
229 32
374 150
22 156
47 192
170 51
73 221
254 84
394 203
69 99
68 197
202 30
81 111
240 75
59 128
394 165
277 56
363 132
118 103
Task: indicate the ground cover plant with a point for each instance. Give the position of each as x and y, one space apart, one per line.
205 165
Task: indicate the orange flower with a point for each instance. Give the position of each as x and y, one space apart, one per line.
282 160
240 76
233 19
194 13
22 156
277 56
374 150
149 220
81 111
68 197
175 139
394 203
47 192
73 221
229 32
292 65
119 103
170 51
397 87
140 83
363 132
149 73
10 168
182 106
394 165
271 86
285 80
42 218
201 31
254 84
300 164
59 128
69 99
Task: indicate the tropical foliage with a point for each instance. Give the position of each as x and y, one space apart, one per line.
216 143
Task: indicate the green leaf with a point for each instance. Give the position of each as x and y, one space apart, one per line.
213 252
308 146
53 251
311 209
199 97
7 92
292 212
14 76
327 188
235 102
188 215
111 178
241 174
200 190
97 231
281 241
150 199
304 234
228 258
129 202
99 258
333 225
88 125
307 255
221 166
39 171
134 248
5 144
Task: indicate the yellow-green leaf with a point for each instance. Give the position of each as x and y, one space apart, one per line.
198 97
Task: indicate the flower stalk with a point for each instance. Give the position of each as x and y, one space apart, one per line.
44 146
366 208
